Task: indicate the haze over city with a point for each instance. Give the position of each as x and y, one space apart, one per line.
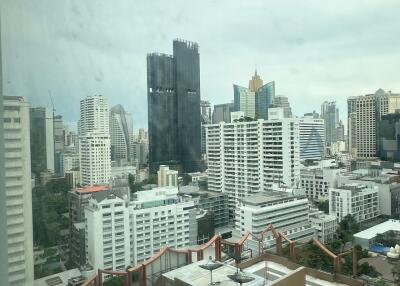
87 47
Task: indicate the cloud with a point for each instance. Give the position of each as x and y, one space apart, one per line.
313 50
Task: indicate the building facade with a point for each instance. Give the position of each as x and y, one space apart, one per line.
94 141
312 138
167 177
247 157
222 112
125 233
330 114
354 199
317 181
289 214
59 141
265 96
42 140
121 133
389 137
18 191
244 100
363 114
281 101
173 84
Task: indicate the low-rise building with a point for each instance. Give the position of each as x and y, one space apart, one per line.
367 237
214 202
288 213
317 181
324 224
354 199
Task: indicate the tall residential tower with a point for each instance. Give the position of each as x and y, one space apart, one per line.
94 141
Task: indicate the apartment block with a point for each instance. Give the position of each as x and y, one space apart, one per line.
317 181
122 232
354 199
245 158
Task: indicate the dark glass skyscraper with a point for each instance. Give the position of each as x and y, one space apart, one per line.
173 84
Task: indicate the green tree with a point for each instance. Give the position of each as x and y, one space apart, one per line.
347 227
114 281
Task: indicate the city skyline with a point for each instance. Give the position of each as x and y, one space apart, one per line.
113 64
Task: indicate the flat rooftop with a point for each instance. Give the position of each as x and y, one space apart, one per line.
194 275
371 232
266 197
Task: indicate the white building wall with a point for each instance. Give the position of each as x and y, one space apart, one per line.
107 232
18 191
246 157
312 138
362 204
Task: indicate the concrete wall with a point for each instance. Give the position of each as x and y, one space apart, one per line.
297 278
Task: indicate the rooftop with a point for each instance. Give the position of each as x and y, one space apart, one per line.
92 189
371 232
266 197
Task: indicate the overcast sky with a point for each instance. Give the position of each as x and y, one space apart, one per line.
314 50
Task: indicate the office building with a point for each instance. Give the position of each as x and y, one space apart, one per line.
121 133
284 211
255 100
330 114
42 139
244 100
354 199
312 138
18 191
122 233
173 84
222 112
281 101
389 137
167 177
340 131
59 141
69 161
94 141
363 114
317 181
247 157
255 83
140 153
265 96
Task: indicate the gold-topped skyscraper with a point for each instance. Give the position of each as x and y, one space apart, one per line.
255 83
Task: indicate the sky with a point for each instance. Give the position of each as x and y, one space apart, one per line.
66 50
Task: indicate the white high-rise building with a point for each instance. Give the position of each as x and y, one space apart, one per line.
354 199
94 141
312 138
121 133
94 115
167 177
244 100
248 157
18 191
122 233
